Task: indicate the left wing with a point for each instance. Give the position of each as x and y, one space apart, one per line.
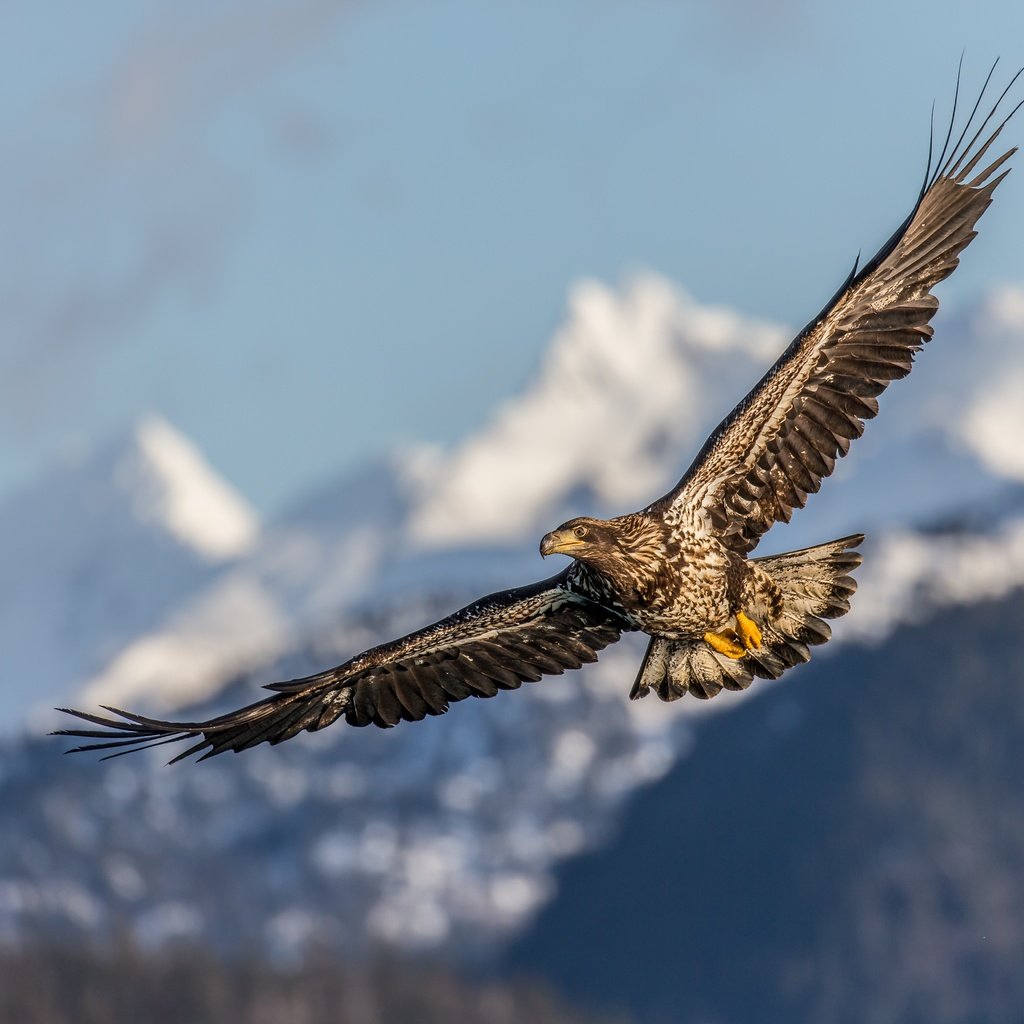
497 643
783 439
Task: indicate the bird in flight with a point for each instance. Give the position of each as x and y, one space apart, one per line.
680 569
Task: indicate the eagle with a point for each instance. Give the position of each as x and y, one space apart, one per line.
679 570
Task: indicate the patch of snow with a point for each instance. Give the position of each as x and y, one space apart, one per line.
228 629
983 375
906 576
993 425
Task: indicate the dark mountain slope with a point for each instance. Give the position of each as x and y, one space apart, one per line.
849 847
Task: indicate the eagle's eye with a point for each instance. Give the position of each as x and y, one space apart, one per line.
580 531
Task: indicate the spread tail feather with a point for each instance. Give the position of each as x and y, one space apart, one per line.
816 585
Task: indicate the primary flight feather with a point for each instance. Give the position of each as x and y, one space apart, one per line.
678 570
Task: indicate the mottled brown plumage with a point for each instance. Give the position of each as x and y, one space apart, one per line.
679 569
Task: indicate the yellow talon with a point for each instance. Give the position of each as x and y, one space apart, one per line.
750 635
725 644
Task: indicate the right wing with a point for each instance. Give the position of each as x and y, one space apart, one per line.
783 439
496 643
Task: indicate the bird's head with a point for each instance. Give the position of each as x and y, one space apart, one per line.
590 540
627 551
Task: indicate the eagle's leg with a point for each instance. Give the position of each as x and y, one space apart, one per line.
752 593
726 643
749 633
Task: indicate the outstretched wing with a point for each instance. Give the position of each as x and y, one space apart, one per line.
783 439
497 643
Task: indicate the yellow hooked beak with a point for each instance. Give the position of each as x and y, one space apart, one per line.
560 542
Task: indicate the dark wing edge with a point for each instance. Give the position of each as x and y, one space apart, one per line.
496 643
775 448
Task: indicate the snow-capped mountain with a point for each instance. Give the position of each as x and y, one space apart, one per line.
626 388
305 571
466 521
447 833
631 385
411 838
96 553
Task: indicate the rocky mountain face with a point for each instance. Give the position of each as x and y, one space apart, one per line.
846 847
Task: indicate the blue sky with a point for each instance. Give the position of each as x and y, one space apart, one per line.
307 232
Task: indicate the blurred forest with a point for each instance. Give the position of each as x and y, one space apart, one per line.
65 985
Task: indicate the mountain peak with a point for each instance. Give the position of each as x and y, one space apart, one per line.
170 483
97 551
633 373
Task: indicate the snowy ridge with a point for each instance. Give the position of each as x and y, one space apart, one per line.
97 552
621 392
172 485
229 628
907 576
302 575
467 522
